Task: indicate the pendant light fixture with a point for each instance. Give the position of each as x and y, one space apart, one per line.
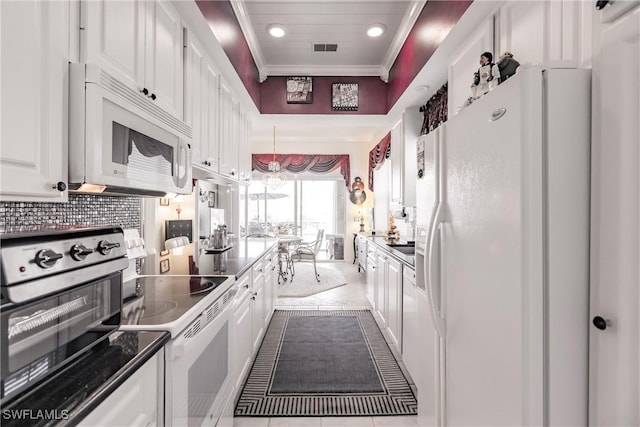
275 178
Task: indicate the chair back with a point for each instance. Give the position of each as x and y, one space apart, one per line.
318 242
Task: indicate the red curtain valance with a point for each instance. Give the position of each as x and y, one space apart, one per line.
297 163
378 155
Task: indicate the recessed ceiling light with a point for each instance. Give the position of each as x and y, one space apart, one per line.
375 30
276 30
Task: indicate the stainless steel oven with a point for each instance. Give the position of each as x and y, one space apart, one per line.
61 295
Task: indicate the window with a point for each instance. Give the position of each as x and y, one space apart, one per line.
302 206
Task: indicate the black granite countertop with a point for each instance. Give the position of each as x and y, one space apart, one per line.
194 261
71 394
381 242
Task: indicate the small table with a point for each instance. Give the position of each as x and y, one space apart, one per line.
284 242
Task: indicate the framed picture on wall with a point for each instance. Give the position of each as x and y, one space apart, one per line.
212 199
344 96
164 266
299 90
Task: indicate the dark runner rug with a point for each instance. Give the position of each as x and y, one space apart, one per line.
325 363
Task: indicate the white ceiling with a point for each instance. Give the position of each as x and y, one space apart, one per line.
317 21
345 23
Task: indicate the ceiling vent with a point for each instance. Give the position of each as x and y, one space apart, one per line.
325 47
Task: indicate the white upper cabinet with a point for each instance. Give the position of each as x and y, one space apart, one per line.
244 147
397 161
211 118
194 95
139 43
229 110
163 56
34 86
404 137
201 104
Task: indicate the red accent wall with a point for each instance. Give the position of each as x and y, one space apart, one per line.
372 96
220 15
420 43
376 97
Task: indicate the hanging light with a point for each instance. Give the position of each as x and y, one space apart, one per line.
275 178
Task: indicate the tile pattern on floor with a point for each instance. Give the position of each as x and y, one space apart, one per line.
351 296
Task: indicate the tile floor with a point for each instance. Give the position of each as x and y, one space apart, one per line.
350 296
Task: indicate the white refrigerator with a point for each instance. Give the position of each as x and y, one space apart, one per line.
502 256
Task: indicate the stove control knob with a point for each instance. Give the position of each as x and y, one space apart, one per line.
105 246
80 252
47 258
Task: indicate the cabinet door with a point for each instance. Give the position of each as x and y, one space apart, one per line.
194 97
33 118
228 122
134 403
381 291
269 285
394 305
114 38
371 282
244 147
258 298
410 325
163 63
210 125
242 339
615 244
397 161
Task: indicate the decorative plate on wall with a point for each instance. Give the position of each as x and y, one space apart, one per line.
344 96
299 90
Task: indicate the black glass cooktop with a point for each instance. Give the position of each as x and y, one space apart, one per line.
164 299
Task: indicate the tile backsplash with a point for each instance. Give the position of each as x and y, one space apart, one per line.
82 209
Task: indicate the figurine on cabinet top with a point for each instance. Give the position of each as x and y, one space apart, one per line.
507 66
486 78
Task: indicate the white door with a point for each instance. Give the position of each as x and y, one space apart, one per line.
164 51
482 280
33 120
114 38
394 305
615 235
194 95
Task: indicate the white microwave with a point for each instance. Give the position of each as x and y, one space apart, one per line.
122 143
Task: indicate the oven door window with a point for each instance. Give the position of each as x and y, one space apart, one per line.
42 335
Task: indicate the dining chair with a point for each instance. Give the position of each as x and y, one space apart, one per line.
308 251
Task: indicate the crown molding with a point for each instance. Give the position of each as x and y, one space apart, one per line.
244 21
409 20
324 70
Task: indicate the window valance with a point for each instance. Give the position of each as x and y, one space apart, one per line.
298 163
378 155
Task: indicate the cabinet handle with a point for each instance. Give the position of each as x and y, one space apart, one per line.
601 323
60 186
153 96
145 91
246 286
233 173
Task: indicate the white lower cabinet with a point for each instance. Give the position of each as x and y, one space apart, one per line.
258 303
410 322
394 302
135 402
381 289
242 324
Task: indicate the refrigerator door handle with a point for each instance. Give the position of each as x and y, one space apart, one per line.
437 219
